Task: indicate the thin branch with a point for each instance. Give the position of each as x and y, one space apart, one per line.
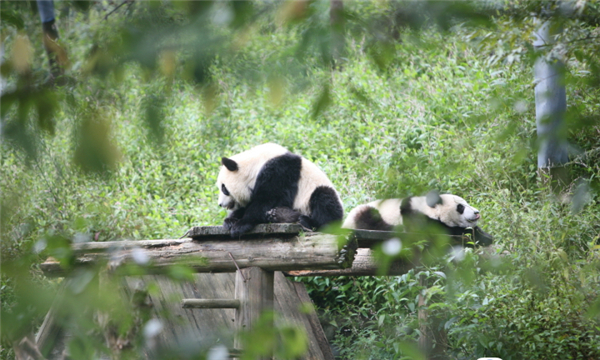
118 6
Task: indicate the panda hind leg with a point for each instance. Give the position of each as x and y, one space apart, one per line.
282 214
369 218
325 207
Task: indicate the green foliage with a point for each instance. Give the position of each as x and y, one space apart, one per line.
126 146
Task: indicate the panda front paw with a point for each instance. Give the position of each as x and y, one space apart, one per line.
481 237
272 215
238 229
229 222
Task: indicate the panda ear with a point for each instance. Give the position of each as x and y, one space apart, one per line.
433 198
231 165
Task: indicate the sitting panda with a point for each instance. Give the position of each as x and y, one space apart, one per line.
270 184
451 212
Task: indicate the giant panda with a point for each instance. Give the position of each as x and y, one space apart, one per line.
449 212
270 184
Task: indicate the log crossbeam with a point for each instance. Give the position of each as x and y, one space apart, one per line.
210 303
276 248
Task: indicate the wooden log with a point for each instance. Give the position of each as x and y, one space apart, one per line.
210 303
371 238
364 265
254 288
298 252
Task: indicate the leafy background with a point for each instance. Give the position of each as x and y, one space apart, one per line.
419 96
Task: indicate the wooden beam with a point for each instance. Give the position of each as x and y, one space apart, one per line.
296 252
210 303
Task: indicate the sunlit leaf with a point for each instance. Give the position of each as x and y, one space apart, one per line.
22 53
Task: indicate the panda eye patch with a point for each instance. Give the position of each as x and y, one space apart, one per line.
460 208
224 190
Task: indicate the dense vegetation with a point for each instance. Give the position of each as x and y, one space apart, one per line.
447 111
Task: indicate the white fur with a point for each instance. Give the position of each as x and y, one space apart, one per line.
389 210
446 212
240 183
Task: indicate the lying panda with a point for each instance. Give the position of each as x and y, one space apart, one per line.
451 212
270 184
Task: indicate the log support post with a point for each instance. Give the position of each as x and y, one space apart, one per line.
254 288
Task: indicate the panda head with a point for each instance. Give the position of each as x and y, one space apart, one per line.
238 174
450 210
233 191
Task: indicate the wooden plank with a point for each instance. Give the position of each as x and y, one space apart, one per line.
364 265
210 303
299 252
299 311
50 331
254 289
315 324
184 327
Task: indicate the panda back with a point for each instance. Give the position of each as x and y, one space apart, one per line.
389 209
311 177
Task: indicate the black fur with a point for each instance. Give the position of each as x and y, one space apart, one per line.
232 218
416 221
325 207
231 165
482 238
370 219
276 185
405 207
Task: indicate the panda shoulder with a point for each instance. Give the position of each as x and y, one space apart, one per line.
311 171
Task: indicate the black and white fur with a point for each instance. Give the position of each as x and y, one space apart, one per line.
270 184
450 212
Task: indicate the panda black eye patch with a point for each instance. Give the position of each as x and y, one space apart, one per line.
224 190
460 208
